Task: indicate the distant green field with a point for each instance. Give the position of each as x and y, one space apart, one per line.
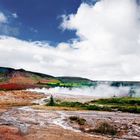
68 84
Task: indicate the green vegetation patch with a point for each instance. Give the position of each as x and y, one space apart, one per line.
114 104
119 101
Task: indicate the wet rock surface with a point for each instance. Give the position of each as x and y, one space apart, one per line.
32 124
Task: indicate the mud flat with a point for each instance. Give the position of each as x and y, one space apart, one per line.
30 122
27 123
18 98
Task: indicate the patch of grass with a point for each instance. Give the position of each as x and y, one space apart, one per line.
124 104
83 106
104 105
98 108
71 104
130 109
80 121
120 101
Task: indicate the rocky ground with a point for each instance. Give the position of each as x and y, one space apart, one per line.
40 123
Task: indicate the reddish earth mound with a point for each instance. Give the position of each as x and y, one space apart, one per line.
12 79
14 86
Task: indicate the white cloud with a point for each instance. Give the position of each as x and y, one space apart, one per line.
5 25
109 33
109 46
3 18
15 15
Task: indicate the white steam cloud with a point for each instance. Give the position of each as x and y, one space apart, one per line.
101 91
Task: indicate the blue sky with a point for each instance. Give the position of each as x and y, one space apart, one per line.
40 19
97 40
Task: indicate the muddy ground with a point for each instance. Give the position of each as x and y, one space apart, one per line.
29 122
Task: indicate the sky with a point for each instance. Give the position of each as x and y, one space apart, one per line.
95 39
40 19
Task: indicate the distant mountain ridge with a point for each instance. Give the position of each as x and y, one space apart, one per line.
13 79
21 79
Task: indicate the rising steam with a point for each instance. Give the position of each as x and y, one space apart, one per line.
101 91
